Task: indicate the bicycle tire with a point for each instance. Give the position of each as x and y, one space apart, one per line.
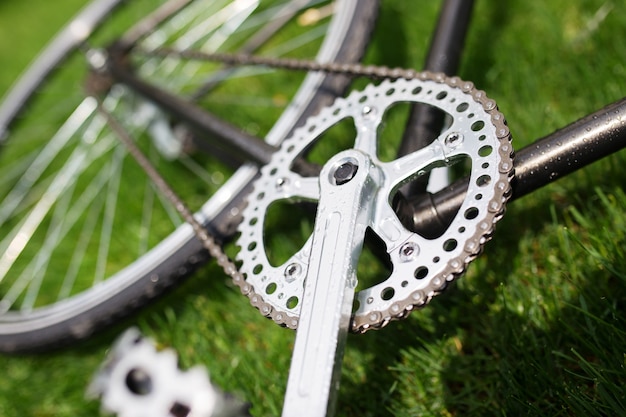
179 254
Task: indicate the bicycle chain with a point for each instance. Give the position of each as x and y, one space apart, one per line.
454 268
353 70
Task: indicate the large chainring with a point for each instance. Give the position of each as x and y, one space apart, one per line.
421 267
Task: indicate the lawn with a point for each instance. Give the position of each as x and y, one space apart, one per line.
536 327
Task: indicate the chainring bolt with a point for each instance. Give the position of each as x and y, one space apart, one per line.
292 272
454 139
409 251
345 172
281 183
368 111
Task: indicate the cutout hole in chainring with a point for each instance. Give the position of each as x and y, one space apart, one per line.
339 137
374 264
286 229
458 168
397 133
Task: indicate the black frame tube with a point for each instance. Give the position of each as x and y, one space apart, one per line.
570 148
444 55
205 125
567 150
448 40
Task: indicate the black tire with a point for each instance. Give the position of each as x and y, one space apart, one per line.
78 315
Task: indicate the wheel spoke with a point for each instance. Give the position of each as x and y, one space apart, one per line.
227 20
112 195
21 189
61 227
298 42
279 16
89 226
26 230
60 186
147 210
196 169
18 167
52 239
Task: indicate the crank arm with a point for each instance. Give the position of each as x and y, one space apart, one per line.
347 182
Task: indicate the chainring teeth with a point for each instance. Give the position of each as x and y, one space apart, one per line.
484 229
469 231
267 287
256 273
273 297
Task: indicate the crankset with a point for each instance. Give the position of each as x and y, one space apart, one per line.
313 291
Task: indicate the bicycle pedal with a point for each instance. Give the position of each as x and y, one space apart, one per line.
137 380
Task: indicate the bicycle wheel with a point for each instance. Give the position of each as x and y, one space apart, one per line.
85 238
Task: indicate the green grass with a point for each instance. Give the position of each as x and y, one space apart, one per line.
537 325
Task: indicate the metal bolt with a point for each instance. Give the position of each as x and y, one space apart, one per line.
281 183
409 251
345 172
292 272
454 139
368 111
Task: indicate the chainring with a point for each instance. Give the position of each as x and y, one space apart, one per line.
421 267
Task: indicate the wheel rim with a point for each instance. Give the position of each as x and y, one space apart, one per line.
64 216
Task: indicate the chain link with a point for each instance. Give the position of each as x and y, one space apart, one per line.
353 70
208 241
